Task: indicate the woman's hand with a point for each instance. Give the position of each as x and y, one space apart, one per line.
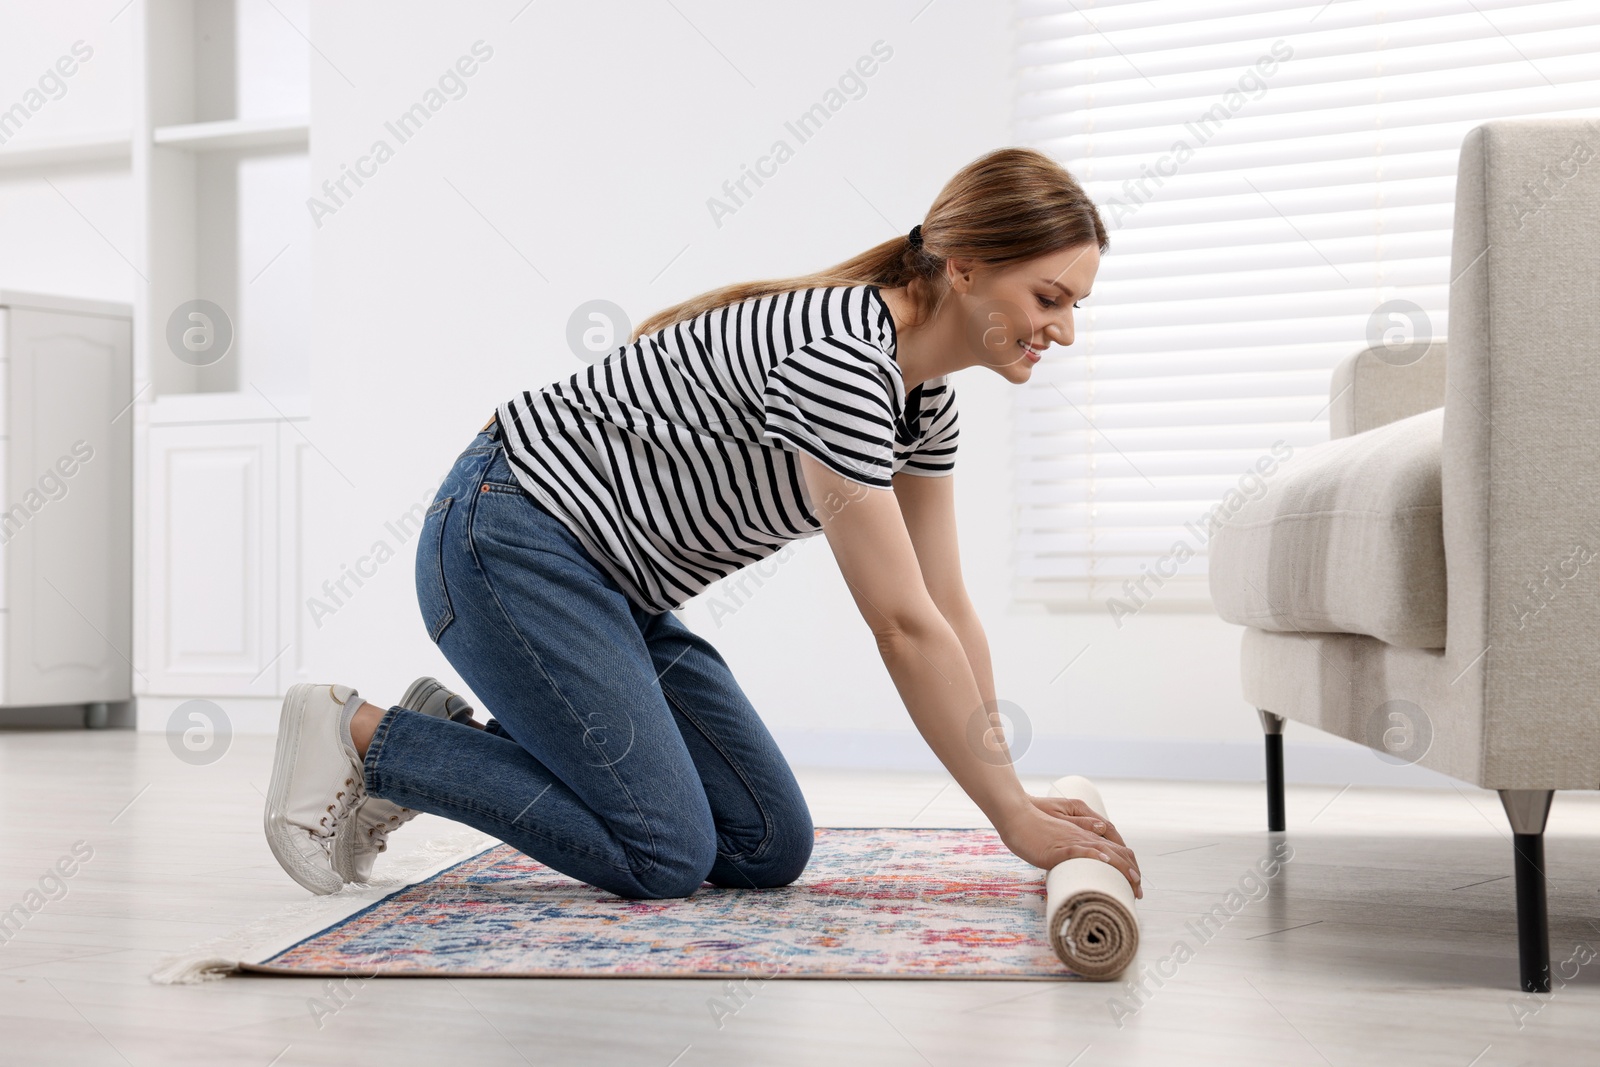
1052 830
1079 812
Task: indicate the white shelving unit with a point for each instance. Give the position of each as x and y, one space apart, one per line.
220 160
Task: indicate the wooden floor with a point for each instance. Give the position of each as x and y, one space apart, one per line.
1388 938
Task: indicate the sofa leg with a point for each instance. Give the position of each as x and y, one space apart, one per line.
1527 809
1272 726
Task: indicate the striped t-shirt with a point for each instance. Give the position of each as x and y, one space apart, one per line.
674 459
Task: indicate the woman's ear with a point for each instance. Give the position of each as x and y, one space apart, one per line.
959 274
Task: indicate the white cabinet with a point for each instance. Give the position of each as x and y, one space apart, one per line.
224 550
66 519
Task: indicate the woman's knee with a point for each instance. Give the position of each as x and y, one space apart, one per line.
781 860
678 862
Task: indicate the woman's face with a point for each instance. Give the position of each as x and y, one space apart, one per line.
1016 313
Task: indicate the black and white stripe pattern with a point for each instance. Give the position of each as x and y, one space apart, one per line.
673 460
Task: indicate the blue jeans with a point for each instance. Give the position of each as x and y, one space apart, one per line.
622 752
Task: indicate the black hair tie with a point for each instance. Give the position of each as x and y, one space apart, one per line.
916 236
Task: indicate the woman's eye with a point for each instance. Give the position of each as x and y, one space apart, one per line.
1077 305
1046 303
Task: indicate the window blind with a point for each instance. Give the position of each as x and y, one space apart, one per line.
1275 177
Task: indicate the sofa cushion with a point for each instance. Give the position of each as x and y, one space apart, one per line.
1348 538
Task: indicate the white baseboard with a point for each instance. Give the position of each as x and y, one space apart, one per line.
1229 761
244 715
1173 759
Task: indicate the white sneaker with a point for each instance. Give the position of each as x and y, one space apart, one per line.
366 833
316 784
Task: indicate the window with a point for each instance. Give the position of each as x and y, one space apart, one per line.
1278 181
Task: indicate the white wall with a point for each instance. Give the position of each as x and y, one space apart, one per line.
578 165
70 239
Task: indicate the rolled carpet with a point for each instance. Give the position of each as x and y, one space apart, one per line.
1089 905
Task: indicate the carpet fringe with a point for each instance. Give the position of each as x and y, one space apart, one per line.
219 957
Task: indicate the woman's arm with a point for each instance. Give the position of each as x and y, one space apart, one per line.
931 668
927 505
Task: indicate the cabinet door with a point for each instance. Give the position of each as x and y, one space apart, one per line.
213 560
68 518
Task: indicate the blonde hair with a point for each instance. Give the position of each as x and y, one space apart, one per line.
1007 205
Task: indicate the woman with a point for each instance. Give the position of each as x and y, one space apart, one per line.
622 751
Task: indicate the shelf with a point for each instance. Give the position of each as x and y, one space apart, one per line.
56 151
291 132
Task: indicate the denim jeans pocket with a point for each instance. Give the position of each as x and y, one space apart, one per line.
432 595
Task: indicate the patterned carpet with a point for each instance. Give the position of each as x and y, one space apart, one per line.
873 903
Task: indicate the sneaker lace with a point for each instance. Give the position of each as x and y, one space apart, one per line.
378 833
343 800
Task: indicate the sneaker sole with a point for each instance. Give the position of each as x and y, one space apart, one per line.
341 854
424 689
283 839
418 692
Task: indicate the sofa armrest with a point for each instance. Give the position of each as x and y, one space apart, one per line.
1383 384
1521 485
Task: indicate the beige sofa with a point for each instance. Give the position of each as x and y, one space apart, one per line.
1428 582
